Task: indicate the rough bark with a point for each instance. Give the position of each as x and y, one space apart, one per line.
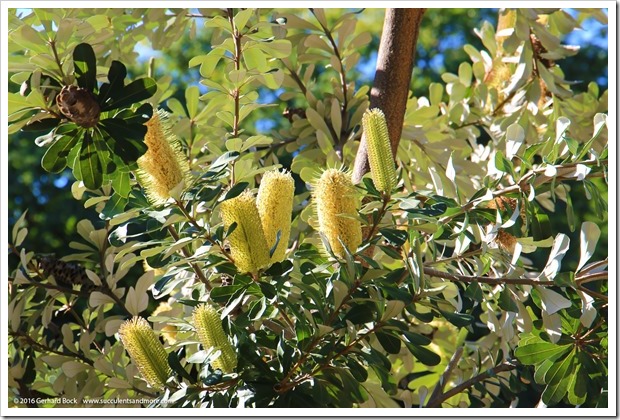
392 78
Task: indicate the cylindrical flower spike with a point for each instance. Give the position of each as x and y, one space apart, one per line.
337 206
209 328
164 165
275 207
248 246
146 352
379 150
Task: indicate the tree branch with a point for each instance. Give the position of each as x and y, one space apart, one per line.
390 89
186 253
454 361
504 367
487 280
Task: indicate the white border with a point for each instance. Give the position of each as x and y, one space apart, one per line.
470 412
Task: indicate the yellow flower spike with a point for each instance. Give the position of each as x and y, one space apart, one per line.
275 207
164 165
336 206
209 328
379 150
248 246
145 350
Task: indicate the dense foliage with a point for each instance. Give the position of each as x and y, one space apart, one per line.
444 284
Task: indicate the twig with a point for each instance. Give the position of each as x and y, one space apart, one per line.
339 138
487 280
373 228
504 367
592 293
587 278
197 270
206 235
45 348
443 380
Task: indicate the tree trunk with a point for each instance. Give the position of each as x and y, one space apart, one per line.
392 78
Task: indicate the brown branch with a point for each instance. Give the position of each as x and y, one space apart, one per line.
504 367
43 348
587 278
454 361
206 234
390 89
197 270
487 280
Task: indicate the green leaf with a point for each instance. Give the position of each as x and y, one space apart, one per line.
537 352
42 125
89 163
136 91
458 319
558 377
121 183
116 79
358 371
115 205
360 314
138 117
578 384
242 18
128 139
502 163
395 236
436 209
424 355
389 342
235 190
541 226
474 292
415 338
192 95
222 161
175 364
505 302
55 157
85 65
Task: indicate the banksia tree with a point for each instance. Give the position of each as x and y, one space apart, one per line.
209 329
379 150
164 165
146 352
248 246
275 207
336 206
